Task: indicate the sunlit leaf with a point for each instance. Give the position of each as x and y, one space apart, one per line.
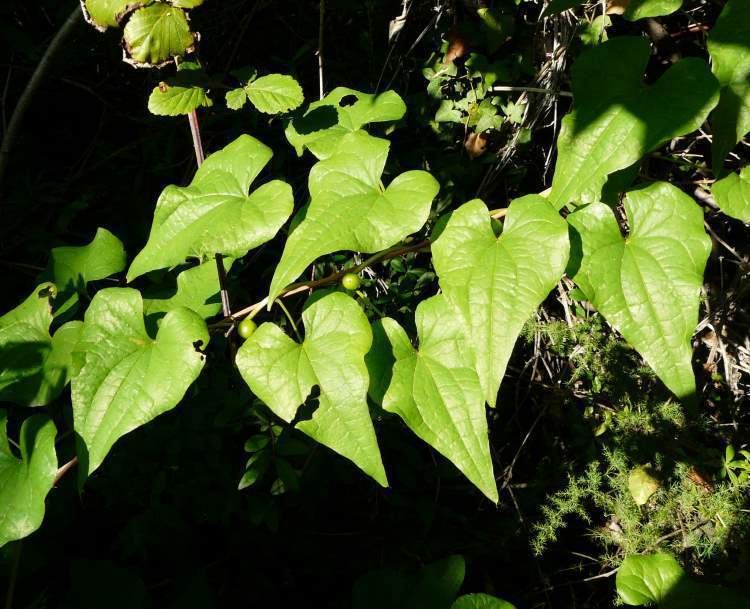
732 194
157 33
274 93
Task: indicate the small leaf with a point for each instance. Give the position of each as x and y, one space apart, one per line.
342 111
124 378
436 391
275 93
617 119
647 286
105 13
157 33
186 3
25 482
732 194
496 284
349 209
34 366
236 98
730 62
642 485
215 214
182 94
282 373
256 443
481 601
255 470
72 268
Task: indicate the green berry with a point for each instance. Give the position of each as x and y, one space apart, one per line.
246 328
350 281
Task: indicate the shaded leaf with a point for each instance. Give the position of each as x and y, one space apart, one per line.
282 372
481 601
215 214
647 286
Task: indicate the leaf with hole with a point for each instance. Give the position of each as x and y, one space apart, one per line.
215 214
646 285
282 373
25 481
351 210
124 378
497 283
435 389
617 119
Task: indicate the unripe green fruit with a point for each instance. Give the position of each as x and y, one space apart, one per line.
246 328
350 281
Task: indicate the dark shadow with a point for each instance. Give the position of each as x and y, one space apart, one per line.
317 119
21 370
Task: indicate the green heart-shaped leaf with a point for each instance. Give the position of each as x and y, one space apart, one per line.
732 194
435 389
730 61
282 372
350 209
617 119
157 33
34 366
25 482
647 285
124 378
215 214
497 283
342 111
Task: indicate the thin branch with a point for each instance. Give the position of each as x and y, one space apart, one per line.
509 89
36 79
319 52
64 469
195 131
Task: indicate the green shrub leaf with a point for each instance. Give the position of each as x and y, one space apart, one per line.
105 13
730 60
70 268
481 601
156 34
282 373
215 214
342 111
350 209
496 284
34 366
647 285
642 9
25 482
182 94
436 391
617 119
274 93
732 194
124 378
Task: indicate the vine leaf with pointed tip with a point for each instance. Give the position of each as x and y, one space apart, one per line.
34 366
342 111
124 378
647 285
435 389
25 482
215 214
497 283
350 210
617 119
182 94
730 60
157 33
70 268
282 372
105 13
732 194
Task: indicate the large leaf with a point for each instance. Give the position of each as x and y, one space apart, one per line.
183 93
70 268
434 586
124 378
342 111
350 209
157 33
215 214
282 372
617 119
732 194
496 284
274 93
730 58
659 579
481 601
436 391
34 366
25 482
105 13
647 285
